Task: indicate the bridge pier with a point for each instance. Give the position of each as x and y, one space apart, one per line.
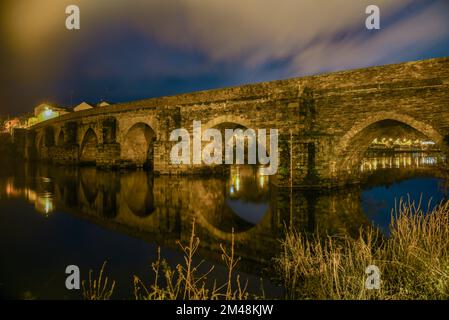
65 150
108 155
305 161
19 141
63 155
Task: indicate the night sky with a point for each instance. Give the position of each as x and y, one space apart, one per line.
134 49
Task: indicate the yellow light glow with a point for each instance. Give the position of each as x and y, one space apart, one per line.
237 183
44 204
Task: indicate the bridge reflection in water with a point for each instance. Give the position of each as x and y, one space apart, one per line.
160 209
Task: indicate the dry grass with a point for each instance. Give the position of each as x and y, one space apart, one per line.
98 289
186 282
413 260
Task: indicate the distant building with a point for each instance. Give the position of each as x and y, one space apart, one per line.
18 122
83 106
86 106
46 111
10 124
103 103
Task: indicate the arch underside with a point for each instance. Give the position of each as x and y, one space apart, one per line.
138 146
222 126
88 152
61 138
354 145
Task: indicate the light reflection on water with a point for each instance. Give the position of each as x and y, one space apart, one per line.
246 192
43 201
395 177
400 160
89 216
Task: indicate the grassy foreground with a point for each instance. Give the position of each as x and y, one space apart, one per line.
184 282
413 261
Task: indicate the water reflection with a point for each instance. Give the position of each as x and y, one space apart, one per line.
390 177
394 160
42 198
247 194
159 210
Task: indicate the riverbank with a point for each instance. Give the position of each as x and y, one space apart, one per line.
413 261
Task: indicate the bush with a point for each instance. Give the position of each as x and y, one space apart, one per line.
413 260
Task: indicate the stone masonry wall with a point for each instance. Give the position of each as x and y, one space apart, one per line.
318 119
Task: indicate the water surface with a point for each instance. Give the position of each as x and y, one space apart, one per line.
51 217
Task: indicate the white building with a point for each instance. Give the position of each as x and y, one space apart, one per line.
103 103
83 106
46 111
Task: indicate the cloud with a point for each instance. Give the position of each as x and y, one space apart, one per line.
403 37
249 32
128 41
253 30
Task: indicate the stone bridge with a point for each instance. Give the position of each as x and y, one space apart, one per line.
325 122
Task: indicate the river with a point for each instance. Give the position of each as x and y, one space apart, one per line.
52 217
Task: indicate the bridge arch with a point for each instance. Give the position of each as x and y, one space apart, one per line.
88 182
223 206
353 145
39 141
61 138
88 150
234 122
137 146
137 188
264 224
224 119
49 136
